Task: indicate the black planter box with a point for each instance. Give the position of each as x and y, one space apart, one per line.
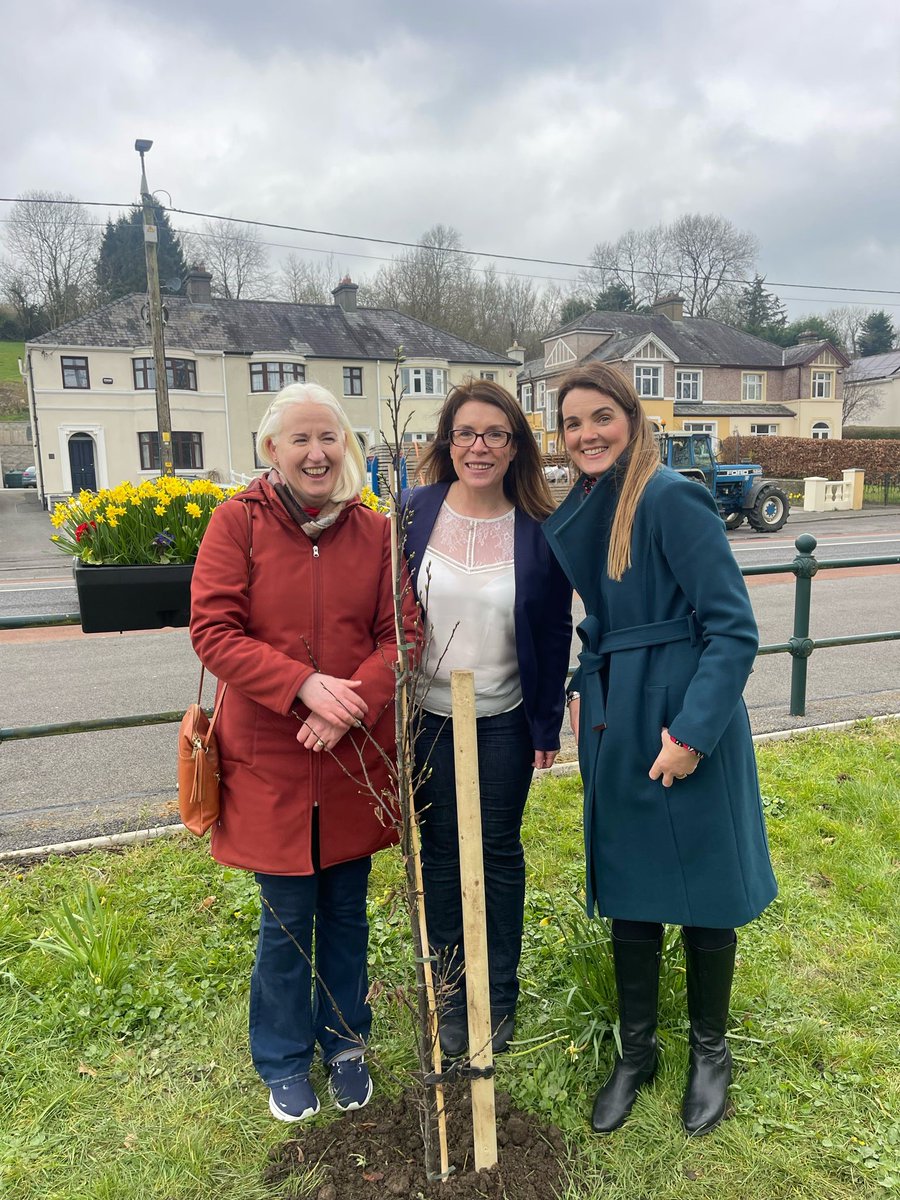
114 599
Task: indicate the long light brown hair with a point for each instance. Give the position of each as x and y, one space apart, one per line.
643 454
524 484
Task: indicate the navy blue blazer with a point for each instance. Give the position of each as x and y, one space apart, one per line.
543 610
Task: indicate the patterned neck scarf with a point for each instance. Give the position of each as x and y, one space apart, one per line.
313 527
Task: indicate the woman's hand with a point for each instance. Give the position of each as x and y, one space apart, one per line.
333 699
574 712
317 734
673 762
544 759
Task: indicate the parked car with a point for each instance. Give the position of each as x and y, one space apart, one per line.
29 477
556 474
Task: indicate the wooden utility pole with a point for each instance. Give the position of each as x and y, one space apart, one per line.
471 877
154 304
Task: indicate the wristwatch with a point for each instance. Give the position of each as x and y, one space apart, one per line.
571 695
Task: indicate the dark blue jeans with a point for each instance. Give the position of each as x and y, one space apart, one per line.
505 755
288 1015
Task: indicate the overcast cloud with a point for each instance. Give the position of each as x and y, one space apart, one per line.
535 127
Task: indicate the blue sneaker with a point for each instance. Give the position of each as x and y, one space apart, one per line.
294 1101
350 1083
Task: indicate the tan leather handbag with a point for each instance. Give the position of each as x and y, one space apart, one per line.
198 765
199 771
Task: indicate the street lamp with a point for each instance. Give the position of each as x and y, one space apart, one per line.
151 240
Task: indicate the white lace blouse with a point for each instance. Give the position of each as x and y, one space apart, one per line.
467 587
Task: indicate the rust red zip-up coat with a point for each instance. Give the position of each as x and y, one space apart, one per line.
321 605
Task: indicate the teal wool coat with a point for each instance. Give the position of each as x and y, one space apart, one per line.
671 644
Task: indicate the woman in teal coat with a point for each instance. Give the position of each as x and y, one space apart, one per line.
674 829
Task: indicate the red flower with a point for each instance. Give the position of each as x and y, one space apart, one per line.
84 528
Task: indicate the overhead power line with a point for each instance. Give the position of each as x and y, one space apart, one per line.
378 241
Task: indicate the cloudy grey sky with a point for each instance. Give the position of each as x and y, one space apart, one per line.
535 127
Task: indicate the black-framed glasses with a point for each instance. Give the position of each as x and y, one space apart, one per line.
494 439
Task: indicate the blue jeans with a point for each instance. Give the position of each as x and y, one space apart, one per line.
505 755
288 1015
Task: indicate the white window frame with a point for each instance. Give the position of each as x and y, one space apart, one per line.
710 427
823 380
551 411
755 382
540 395
821 431
643 371
697 379
490 375
410 376
527 398
764 429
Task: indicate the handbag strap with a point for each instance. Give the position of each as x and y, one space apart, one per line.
221 696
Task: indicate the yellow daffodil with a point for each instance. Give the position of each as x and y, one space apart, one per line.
193 510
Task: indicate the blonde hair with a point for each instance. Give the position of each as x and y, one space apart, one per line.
643 454
353 470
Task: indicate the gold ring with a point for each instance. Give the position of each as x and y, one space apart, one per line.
681 776
320 744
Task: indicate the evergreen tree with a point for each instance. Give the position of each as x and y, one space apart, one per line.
876 336
121 265
575 306
615 298
760 311
789 335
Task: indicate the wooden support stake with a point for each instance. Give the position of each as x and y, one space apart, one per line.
471 874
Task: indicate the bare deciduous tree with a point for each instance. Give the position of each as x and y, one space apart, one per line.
303 282
859 400
235 256
849 320
699 254
710 254
52 250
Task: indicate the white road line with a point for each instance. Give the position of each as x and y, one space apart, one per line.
888 541
57 587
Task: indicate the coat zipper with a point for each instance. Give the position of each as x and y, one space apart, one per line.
317 609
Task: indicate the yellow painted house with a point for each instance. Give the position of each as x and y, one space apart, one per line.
693 373
91 383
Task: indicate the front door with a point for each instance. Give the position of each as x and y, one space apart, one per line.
81 462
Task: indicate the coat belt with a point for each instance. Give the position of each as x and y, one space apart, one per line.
597 646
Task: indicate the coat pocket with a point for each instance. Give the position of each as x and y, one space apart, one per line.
655 717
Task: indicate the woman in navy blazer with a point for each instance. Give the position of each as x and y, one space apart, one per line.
496 602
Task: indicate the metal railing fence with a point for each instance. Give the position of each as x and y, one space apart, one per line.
805 566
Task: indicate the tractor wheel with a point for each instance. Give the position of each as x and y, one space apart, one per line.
770 511
734 520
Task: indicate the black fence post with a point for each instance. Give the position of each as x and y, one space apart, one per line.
801 644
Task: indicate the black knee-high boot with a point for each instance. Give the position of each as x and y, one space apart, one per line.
709 976
637 986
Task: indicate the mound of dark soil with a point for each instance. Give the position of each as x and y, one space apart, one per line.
377 1152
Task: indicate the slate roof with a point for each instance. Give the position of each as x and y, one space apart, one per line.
686 408
267 326
697 341
874 366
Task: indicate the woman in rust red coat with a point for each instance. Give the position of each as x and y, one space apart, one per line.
292 607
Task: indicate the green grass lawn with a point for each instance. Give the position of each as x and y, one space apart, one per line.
10 353
124 1072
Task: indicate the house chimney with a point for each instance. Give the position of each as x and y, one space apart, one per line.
345 294
671 306
808 336
198 286
517 352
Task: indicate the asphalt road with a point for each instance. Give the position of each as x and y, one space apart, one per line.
56 789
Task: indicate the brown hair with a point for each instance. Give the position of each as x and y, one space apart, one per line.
524 483
643 453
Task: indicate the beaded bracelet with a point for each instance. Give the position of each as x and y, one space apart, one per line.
685 746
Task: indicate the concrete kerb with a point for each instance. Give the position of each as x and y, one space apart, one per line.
113 840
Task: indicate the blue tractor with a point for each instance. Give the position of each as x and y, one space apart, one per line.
739 488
